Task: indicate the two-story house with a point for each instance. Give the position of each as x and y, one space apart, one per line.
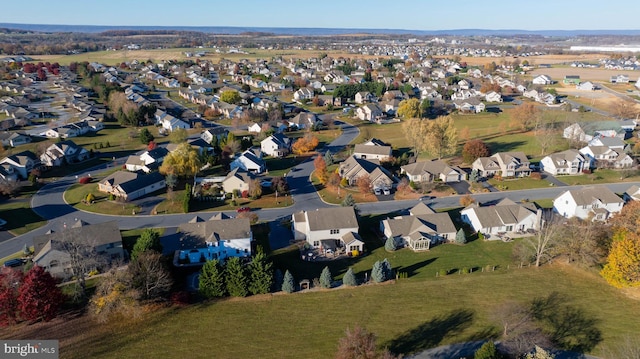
598 203
569 162
328 229
507 164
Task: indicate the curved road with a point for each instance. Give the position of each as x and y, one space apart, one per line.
49 202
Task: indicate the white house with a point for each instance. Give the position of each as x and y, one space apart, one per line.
569 162
599 203
632 194
605 157
63 152
506 217
22 163
276 145
372 150
216 239
508 164
303 94
131 185
328 228
587 86
249 162
147 161
542 80
369 112
237 179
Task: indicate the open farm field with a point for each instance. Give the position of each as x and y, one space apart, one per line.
586 74
535 60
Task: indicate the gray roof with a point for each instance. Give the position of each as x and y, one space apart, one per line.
506 212
586 196
407 226
92 234
226 229
332 218
371 149
421 208
434 167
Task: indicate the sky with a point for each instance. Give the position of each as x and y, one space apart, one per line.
353 14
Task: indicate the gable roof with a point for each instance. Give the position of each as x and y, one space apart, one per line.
92 234
372 149
331 218
587 195
434 167
218 230
506 212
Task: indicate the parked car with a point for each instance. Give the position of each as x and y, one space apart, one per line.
265 183
386 191
243 209
377 191
16 262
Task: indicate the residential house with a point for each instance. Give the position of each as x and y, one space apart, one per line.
218 132
507 164
369 112
7 173
620 79
429 171
64 152
303 93
542 80
614 143
276 145
493 97
598 203
52 250
147 161
632 194
215 239
569 162
469 105
13 139
304 120
353 168
506 217
328 229
364 97
254 128
605 157
373 149
420 230
250 162
131 185
587 86
237 179
22 163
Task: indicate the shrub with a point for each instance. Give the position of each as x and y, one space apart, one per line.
443 272
84 180
390 244
245 194
536 176
325 278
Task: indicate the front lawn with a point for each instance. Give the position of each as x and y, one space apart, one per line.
280 166
77 193
336 195
19 216
601 176
518 184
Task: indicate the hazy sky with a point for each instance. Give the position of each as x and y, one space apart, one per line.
388 14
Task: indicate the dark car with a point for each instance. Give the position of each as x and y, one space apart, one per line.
16 262
243 209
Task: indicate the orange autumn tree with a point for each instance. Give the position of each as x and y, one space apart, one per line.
320 169
305 144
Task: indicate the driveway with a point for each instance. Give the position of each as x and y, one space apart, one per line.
461 187
552 179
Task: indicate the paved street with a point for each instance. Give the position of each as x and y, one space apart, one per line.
49 202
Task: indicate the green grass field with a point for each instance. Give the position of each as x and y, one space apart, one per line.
519 183
408 316
599 177
19 216
78 192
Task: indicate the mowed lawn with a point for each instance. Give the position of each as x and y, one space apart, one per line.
408 316
601 176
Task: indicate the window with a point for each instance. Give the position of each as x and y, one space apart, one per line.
316 243
335 231
509 228
54 263
353 248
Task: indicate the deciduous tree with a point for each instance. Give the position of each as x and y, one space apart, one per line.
183 161
230 96
178 135
442 137
149 275
474 149
320 169
545 241
410 108
623 263
39 296
364 184
526 115
10 282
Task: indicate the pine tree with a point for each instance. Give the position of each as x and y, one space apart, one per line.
461 238
211 280
278 280
349 279
328 158
39 297
148 240
261 273
390 245
236 278
288 283
387 270
377 272
348 201
325 278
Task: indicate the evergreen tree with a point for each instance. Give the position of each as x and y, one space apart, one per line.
211 281
148 240
461 238
236 278
328 158
288 283
487 351
278 280
39 296
348 201
377 272
390 244
387 270
474 176
325 278
349 279
261 273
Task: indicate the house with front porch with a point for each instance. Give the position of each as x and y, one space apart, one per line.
598 203
276 145
64 152
250 162
506 217
421 230
131 185
328 228
369 112
507 164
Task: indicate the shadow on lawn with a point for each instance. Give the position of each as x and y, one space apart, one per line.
431 333
500 146
569 327
412 269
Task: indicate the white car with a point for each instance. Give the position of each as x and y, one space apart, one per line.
386 191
